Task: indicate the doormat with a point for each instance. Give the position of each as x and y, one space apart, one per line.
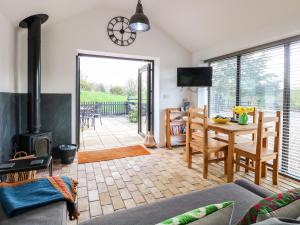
110 154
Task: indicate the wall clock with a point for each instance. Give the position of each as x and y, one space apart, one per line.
119 32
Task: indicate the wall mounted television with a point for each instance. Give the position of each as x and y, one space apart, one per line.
194 77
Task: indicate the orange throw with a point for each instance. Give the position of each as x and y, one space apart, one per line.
110 154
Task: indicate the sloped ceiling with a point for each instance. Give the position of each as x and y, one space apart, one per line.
195 24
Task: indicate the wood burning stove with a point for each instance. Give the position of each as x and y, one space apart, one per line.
35 141
36 144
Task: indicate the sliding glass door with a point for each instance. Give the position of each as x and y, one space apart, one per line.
262 78
144 99
223 91
292 156
268 79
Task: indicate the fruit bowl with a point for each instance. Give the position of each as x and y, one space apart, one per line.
221 119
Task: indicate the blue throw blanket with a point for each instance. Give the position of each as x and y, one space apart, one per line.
20 197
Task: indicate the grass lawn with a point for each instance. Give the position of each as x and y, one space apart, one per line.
90 96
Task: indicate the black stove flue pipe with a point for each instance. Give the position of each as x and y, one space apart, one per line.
33 24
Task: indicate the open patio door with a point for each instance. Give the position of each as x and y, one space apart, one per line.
145 107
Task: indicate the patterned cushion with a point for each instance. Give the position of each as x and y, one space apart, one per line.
279 221
195 215
286 204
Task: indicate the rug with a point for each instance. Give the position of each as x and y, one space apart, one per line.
110 154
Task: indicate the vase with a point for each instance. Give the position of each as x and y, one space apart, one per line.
243 119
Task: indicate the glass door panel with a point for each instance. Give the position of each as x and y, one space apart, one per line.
144 99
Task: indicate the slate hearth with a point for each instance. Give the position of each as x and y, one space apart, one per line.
9 123
55 113
56 117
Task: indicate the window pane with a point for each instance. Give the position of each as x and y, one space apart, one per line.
293 159
223 90
262 76
262 82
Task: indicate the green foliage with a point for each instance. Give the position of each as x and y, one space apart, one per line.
97 87
295 98
132 88
117 90
261 86
133 115
84 85
91 96
88 86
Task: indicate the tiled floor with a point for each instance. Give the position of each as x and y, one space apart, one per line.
108 186
114 132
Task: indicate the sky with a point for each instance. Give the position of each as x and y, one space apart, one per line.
109 71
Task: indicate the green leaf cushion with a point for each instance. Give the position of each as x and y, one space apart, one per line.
195 214
286 204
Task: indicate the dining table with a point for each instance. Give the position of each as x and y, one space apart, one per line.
231 129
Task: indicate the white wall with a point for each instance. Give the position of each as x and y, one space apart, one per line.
87 31
7 56
246 40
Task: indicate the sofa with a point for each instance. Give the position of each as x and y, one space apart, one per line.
243 193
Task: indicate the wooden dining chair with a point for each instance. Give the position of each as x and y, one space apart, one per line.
239 138
258 151
201 143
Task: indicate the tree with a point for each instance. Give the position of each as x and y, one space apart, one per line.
260 85
97 87
84 85
117 90
132 88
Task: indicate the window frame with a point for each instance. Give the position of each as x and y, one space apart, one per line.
286 90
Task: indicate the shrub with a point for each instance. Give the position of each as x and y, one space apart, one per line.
133 115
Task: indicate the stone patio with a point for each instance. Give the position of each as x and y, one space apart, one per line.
114 132
108 186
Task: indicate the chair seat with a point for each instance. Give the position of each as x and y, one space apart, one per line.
212 145
237 140
249 150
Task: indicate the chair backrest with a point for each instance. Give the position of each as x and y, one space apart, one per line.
198 120
263 131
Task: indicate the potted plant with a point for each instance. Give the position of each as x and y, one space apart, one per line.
243 111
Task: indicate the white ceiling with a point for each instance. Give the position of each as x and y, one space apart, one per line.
195 24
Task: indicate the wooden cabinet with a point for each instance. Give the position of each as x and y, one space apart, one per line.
175 127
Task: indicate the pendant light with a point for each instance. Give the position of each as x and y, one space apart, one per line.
139 21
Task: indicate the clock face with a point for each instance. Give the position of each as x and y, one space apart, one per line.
119 32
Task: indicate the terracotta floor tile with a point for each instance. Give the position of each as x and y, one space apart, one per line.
107 209
117 202
137 197
82 192
125 194
129 203
95 208
83 204
93 195
84 216
105 198
108 186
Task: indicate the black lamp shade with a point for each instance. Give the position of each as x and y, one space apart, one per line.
139 21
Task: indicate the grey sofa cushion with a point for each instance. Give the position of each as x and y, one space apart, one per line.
260 191
156 212
53 214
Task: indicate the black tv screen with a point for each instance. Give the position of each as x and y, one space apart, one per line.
194 77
